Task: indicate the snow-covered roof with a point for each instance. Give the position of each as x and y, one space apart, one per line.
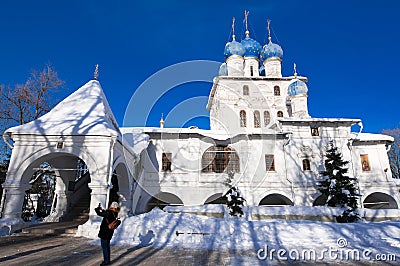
318 120
135 142
372 137
84 112
214 134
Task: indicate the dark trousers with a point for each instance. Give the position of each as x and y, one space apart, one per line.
105 245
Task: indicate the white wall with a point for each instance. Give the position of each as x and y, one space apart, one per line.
193 187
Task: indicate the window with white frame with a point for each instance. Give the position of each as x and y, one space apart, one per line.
277 90
257 122
269 162
314 131
219 159
306 165
246 90
166 161
243 121
365 163
267 118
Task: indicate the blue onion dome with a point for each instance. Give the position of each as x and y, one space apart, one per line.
297 87
233 48
271 50
252 47
223 70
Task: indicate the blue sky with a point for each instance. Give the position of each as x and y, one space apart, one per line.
347 49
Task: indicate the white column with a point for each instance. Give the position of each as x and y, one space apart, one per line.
62 203
98 195
14 198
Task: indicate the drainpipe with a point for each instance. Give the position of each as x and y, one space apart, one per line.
279 126
350 146
361 128
388 147
358 182
3 198
6 138
110 172
284 154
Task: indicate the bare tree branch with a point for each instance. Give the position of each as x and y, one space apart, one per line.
394 152
40 85
24 103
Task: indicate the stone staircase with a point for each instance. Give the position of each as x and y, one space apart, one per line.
80 212
68 224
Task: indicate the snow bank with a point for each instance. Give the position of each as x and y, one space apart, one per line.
296 210
163 229
380 213
257 211
210 208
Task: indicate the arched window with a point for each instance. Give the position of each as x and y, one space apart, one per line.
306 165
267 118
243 122
277 91
257 122
269 162
245 89
219 159
279 114
251 71
365 163
166 161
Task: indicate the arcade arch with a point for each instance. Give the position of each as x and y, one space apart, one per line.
65 172
216 198
275 200
163 199
380 200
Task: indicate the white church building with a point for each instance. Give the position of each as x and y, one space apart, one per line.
260 129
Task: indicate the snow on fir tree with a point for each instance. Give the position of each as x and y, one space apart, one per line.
234 197
340 189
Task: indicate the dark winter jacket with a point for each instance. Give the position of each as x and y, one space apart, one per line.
108 216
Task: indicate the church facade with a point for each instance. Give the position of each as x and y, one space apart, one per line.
260 130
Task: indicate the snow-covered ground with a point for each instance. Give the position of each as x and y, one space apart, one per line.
271 240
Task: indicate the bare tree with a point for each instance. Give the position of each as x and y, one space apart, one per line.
26 102
41 85
394 152
23 103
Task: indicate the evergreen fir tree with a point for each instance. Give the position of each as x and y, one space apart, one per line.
234 197
338 187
